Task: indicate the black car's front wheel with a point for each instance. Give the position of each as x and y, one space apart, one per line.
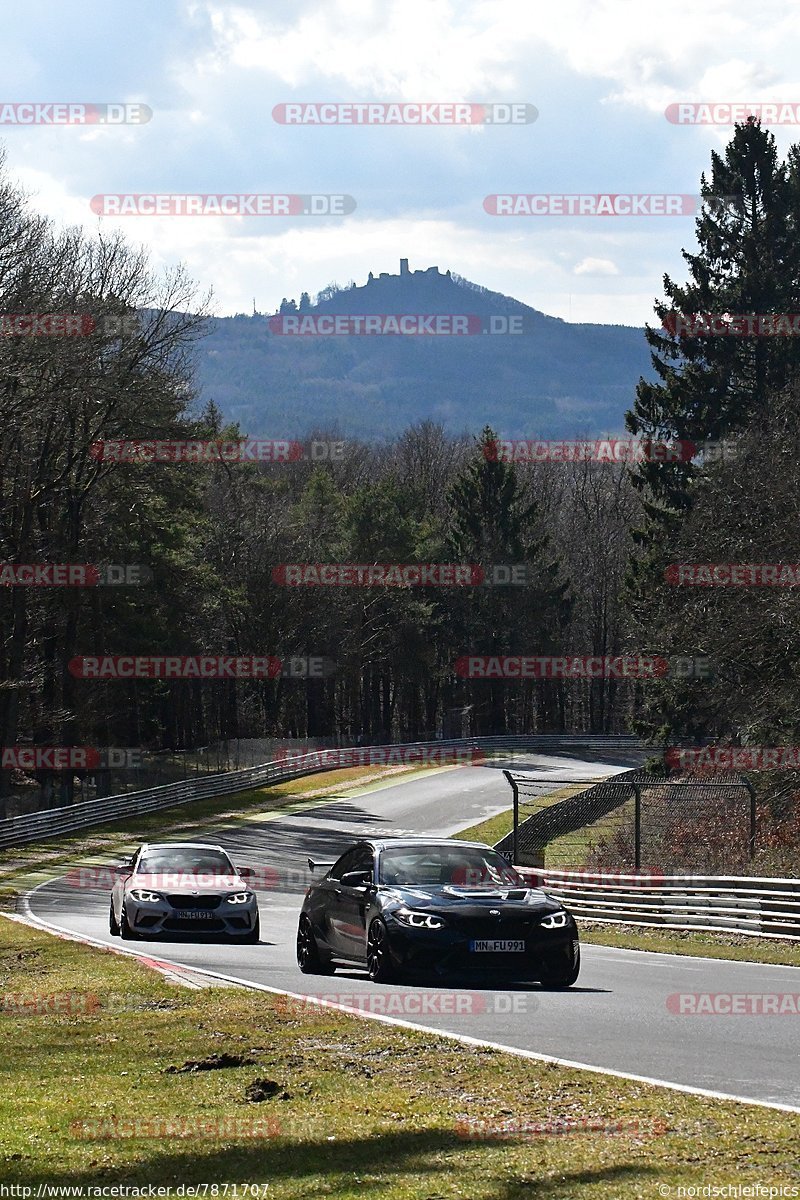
309 959
113 927
380 967
561 967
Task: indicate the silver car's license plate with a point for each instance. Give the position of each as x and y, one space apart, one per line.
194 914
498 946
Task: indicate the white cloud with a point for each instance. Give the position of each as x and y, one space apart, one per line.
595 266
651 55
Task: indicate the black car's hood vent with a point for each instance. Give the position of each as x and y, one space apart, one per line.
499 893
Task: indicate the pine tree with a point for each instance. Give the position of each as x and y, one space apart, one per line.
712 387
493 522
748 262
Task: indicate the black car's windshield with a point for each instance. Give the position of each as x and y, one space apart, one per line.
437 866
196 860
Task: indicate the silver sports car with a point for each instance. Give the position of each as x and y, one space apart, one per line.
183 887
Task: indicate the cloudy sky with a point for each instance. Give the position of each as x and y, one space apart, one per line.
599 72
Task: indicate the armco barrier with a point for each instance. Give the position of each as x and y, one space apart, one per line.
738 904
51 822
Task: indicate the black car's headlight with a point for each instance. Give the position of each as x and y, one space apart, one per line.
239 897
145 897
556 920
419 920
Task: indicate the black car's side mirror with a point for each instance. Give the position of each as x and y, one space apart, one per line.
121 869
246 872
356 879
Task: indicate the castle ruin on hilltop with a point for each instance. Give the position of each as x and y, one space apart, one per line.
405 271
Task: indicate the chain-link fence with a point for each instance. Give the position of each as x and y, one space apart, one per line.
635 821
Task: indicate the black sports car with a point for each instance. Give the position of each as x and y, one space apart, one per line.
443 907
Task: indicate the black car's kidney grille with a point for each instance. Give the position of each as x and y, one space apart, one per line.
511 926
194 902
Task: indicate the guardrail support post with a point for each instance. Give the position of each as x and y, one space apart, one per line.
637 826
751 841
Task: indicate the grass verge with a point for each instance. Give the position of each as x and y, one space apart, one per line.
353 1108
707 945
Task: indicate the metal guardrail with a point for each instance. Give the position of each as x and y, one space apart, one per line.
33 827
758 907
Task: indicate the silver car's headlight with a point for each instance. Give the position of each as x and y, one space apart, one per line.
239 898
556 920
419 920
145 897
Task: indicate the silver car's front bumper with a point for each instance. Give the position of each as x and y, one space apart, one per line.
203 913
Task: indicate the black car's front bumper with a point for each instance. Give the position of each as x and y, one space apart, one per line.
449 951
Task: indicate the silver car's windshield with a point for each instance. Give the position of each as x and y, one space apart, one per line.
185 858
436 866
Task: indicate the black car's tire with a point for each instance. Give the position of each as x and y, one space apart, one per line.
113 926
562 969
309 959
254 935
380 967
125 931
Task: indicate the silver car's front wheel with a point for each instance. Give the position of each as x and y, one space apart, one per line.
125 931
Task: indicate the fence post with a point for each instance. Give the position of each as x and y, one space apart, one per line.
751 841
637 827
515 790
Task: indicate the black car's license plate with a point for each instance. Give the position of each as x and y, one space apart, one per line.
498 946
194 914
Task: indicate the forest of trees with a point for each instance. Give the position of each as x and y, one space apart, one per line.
597 537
